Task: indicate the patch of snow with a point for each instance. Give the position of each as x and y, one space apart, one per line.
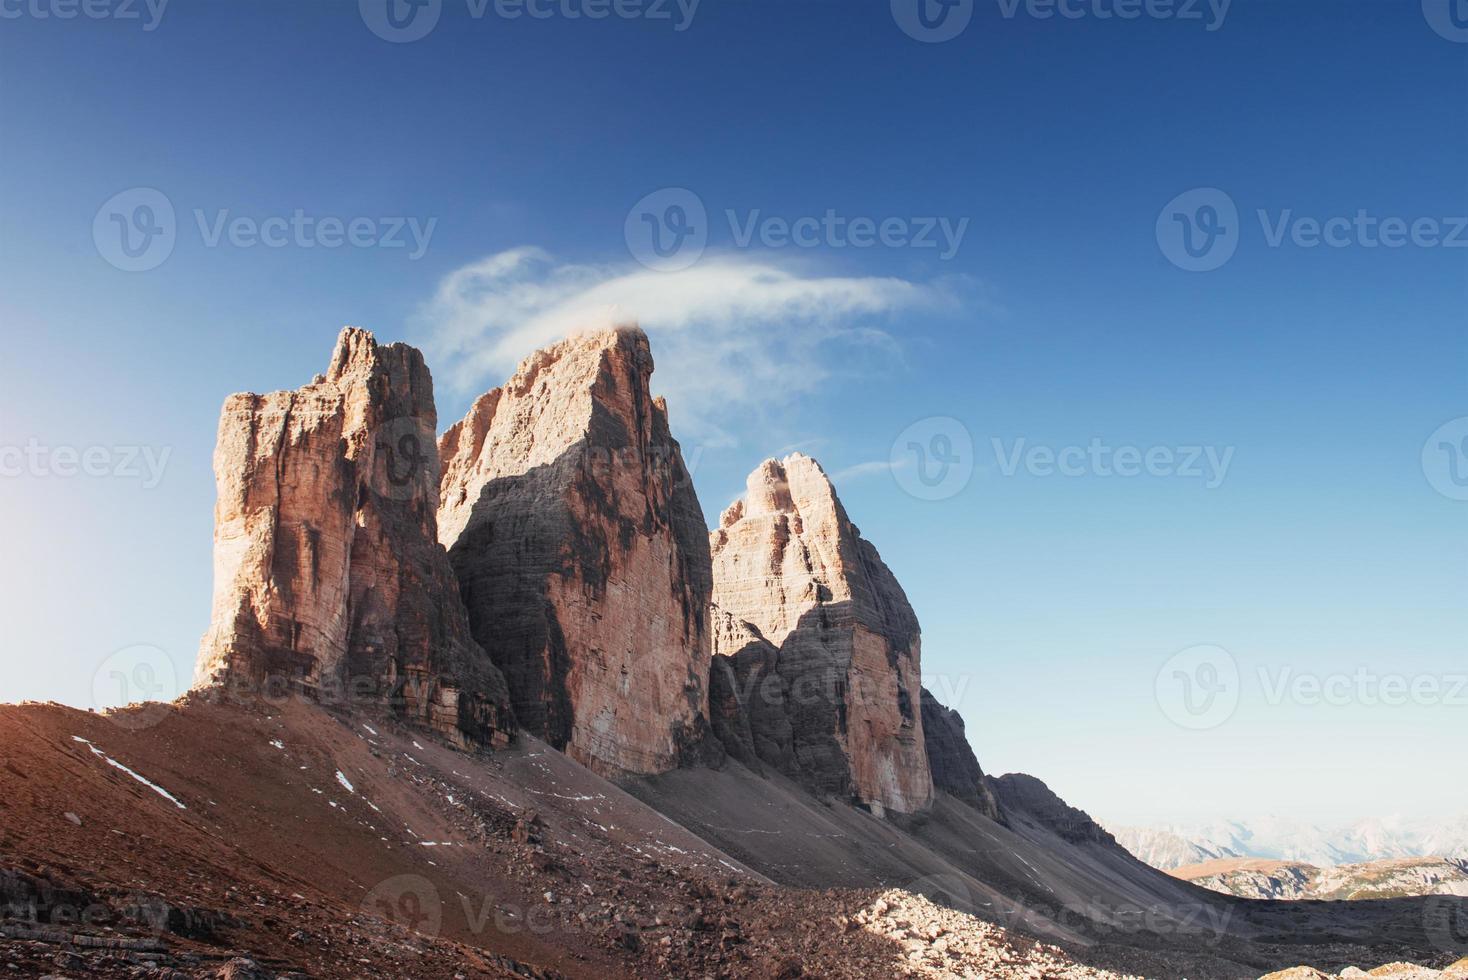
117 765
369 728
341 778
277 743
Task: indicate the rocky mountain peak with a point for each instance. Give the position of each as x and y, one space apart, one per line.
822 646
582 553
328 576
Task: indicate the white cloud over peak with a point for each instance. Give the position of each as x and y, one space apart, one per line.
730 336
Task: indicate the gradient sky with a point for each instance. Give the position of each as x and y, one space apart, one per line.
1049 603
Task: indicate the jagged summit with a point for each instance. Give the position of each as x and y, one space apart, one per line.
582 553
819 649
328 576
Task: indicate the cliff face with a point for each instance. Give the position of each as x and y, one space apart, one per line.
1025 798
582 554
955 769
817 649
328 575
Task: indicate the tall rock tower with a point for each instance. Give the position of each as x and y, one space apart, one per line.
582 554
816 668
328 574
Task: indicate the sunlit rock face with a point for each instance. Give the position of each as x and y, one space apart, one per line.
582 554
328 574
817 650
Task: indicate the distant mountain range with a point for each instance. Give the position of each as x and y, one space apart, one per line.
1389 878
1281 839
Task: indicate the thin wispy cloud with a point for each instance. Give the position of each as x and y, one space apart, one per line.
729 335
860 470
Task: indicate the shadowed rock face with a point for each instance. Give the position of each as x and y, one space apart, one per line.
818 649
328 575
582 554
951 760
1026 798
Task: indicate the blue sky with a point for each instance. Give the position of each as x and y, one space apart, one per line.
519 147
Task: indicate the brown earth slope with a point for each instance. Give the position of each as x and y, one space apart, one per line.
194 838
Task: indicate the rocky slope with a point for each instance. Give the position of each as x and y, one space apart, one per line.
215 841
582 554
328 575
1390 878
816 644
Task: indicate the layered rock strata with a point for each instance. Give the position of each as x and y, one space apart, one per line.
328 574
817 649
582 554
